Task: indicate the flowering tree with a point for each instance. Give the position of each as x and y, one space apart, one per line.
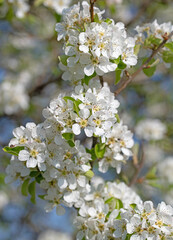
82 132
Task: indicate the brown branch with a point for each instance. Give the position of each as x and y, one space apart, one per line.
101 80
138 168
92 9
127 79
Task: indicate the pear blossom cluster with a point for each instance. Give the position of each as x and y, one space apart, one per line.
92 109
63 168
159 31
95 115
115 211
151 129
51 154
92 47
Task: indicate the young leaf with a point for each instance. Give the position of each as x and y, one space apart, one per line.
133 205
31 190
71 143
14 151
117 76
117 117
88 78
99 150
39 178
68 136
69 98
169 45
96 18
151 70
167 56
121 65
24 188
63 59
76 105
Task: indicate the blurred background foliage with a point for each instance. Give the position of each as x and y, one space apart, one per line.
30 77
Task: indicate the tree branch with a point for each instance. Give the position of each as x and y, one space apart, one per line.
138 168
92 9
127 79
101 80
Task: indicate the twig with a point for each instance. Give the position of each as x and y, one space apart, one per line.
138 168
92 9
101 80
127 79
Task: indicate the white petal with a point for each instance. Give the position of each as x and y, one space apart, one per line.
76 129
23 155
31 163
89 70
62 183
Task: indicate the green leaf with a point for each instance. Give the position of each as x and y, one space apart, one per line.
121 65
151 175
119 204
92 152
117 76
31 190
151 70
34 174
167 56
117 117
108 21
154 183
133 205
76 105
39 178
169 45
63 59
24 188
13 150
69 98
71 143
156 41
88 78
99 150
96 18
137 49
42 196
114 203
68 136
116 60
